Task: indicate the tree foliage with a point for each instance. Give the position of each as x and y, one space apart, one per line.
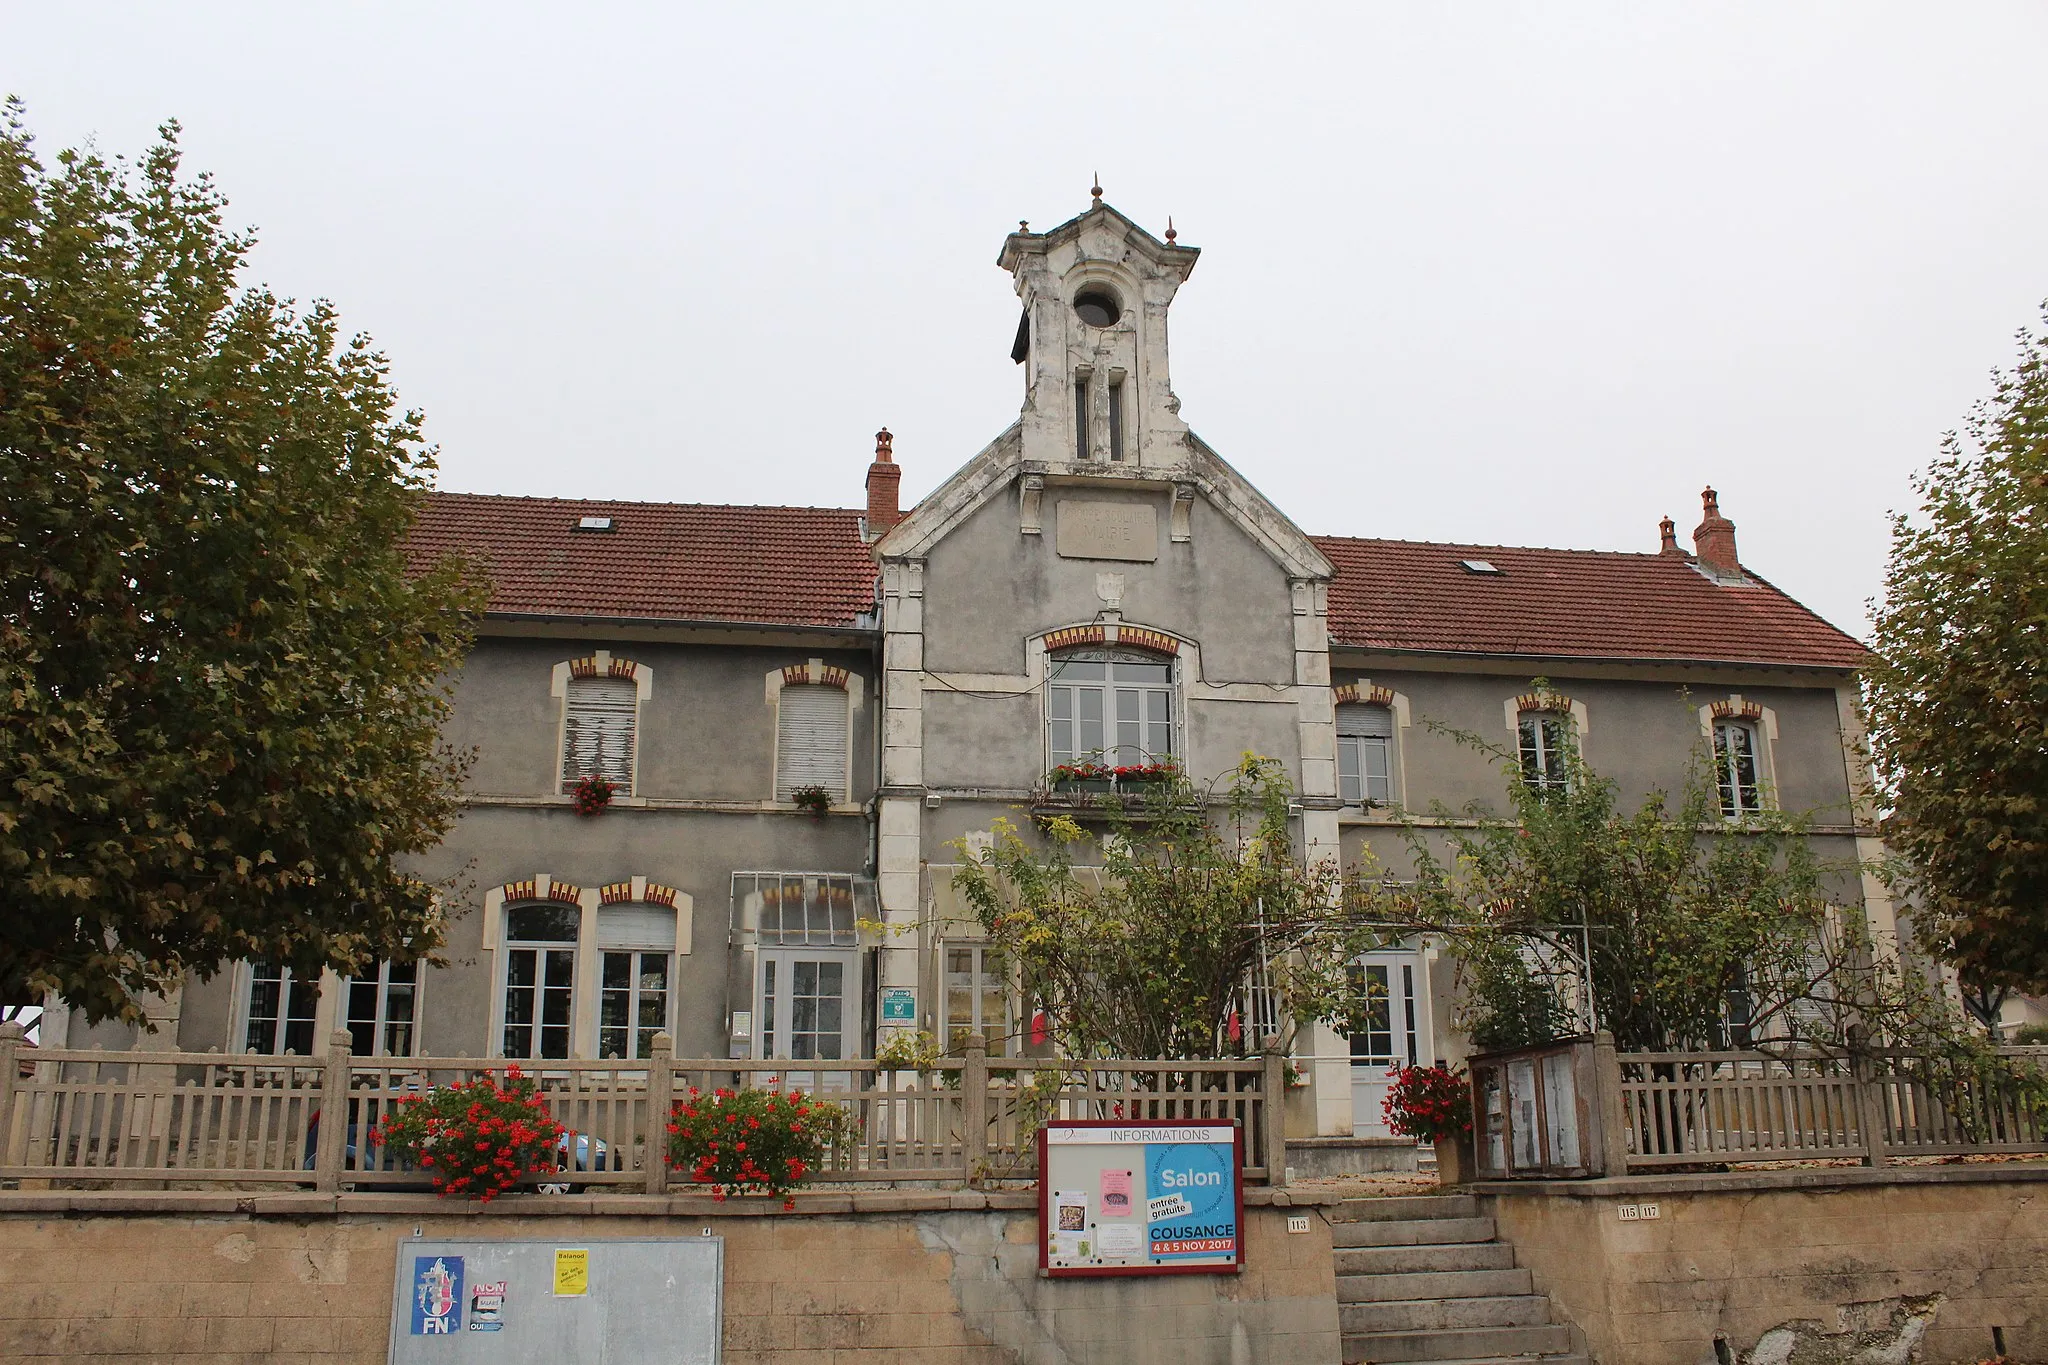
1958 695
223 691
1158 954
1672 914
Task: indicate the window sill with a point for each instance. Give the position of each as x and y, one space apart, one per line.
792 808
654 803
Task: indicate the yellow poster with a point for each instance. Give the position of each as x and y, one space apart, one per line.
572 1272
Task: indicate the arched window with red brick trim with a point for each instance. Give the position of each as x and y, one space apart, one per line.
1738 765
1110 706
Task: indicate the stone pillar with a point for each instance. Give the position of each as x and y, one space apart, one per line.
900 807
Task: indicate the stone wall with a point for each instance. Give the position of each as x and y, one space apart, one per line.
1792 1267
909 1278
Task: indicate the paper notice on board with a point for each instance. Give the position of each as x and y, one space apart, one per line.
1116 1194
1121 1239
572 1272
1069 1211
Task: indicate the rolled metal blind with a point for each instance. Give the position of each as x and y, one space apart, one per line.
599 734
637 926
1365 721
810 746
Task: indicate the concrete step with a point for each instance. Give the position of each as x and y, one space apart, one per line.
1408 1232
1437 1284
1458 1343
1439 1315
1416 1260
1405 1206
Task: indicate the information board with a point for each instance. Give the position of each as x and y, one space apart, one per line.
619 1301
1140 1198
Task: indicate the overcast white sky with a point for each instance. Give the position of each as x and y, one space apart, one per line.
1517 274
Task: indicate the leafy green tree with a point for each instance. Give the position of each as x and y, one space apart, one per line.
1689 930
1164 952
1958 695
224 692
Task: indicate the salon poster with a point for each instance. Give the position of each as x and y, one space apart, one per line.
1153 1198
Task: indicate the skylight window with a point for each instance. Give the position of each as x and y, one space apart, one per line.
1479 566
593 523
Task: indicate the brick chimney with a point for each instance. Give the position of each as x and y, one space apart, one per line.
1713 540
1667 536
883 480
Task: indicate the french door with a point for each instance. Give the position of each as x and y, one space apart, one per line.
807 1006
1393 1031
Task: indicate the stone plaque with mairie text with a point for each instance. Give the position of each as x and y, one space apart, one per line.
1108 530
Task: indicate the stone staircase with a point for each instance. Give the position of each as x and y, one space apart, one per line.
1423 1278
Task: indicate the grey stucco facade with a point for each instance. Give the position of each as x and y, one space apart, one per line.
1096 523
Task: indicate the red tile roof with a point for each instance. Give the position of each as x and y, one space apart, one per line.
789 566
1415 595
807 566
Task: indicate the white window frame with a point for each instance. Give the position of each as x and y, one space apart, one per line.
639 1034
558 688
813 673
1548 773
1111 753
1351 750
541 948
784 961
1003 1040
1407 1022
1763 728
380 1021
290 985
1570 711
635 930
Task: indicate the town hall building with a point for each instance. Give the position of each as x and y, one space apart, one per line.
805 713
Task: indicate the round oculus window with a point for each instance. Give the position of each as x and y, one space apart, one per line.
1097 308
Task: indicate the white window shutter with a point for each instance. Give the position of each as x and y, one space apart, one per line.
599 733
810 744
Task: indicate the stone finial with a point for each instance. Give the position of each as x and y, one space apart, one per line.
1667 536
1096 190
1713 540
1023 225
1170 233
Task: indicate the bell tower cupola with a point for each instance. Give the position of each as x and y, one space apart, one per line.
1092 341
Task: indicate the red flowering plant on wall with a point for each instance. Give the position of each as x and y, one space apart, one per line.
476 1138
752 1141
1429 1103
592 794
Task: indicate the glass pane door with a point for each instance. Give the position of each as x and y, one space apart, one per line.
1393 1030
806 1007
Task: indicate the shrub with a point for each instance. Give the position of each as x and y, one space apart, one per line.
476 1138
1429 1103
753 1141
2031 1035
909 1050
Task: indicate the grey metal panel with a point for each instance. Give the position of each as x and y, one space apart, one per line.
651 1301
